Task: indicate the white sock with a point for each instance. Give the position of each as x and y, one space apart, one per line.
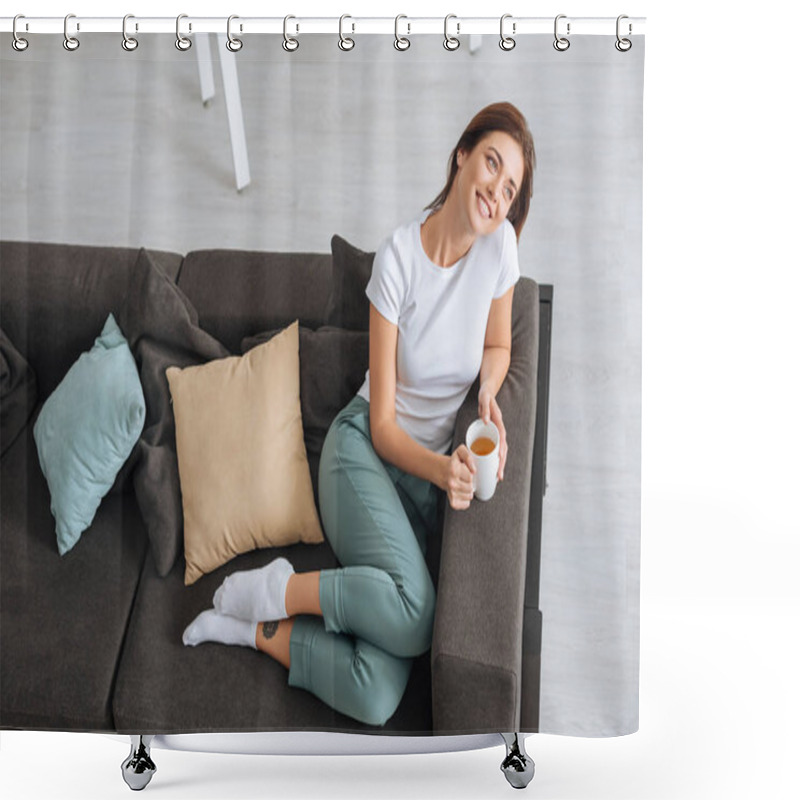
258 595
213 627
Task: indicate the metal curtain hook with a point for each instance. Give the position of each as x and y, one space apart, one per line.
290 44
400 42
18 43
129 43
451 42
181 42
345 42
233 44
623 45
70 42
507 42
561 43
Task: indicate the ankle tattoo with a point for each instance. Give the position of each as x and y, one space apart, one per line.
269 629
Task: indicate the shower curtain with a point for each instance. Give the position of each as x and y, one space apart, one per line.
110 148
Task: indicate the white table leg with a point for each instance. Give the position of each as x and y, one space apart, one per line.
233 103
203 49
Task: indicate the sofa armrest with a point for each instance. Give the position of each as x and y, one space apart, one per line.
476 654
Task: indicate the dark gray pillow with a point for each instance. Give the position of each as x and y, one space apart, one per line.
17 392
348 306
333 363
162 329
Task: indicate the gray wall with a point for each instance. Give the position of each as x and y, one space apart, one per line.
106 147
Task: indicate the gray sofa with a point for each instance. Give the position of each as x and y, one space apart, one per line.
91 640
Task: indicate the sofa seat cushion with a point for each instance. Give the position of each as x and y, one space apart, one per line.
62 619
167 687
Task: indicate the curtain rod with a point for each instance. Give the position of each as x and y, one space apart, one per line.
406 26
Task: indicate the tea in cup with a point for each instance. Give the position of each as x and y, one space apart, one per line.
483 442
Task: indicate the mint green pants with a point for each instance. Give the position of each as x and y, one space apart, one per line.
377 610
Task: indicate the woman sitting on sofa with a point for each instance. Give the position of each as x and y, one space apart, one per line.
440 314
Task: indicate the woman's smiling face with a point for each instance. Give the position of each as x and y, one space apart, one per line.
488 179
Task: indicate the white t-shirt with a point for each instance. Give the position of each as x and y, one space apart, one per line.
441 315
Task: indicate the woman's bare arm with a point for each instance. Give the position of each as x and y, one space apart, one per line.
494 368
497 344
453 473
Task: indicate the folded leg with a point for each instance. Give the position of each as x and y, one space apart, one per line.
351 675
383 593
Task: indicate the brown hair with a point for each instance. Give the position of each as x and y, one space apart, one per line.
507 118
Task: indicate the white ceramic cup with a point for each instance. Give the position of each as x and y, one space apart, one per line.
484 481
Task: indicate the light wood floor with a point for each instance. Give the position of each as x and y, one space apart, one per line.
106 147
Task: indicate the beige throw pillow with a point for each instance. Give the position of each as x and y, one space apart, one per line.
244 475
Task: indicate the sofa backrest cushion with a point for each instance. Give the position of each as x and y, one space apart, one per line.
348 306
54 298
239 293
17 392
163 331
333 363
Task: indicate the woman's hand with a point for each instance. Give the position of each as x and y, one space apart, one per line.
457 482
488 410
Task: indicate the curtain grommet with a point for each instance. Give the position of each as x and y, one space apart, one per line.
401 43
451 43
346 43
507 43
17 42
182 42
70 43
233 44
622 44
129 43
561 43
289 44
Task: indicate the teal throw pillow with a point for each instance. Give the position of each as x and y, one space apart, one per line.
87 429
